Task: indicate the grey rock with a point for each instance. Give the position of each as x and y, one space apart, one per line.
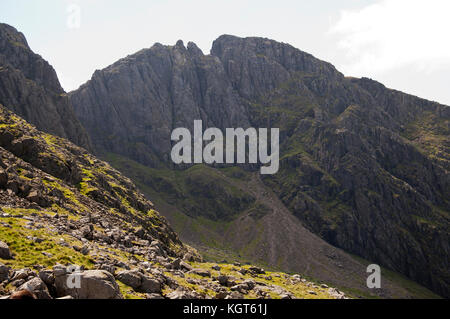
181 294
153 296
150 285
94 284
201 272
47 277
5 252
257 270
4 272
38 287
185 266
132 278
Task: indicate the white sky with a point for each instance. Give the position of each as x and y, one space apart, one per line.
401 43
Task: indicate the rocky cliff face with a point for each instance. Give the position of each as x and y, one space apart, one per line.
29 87
143 97
363 166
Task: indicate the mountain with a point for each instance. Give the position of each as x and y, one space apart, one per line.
30 88
364 167
62 208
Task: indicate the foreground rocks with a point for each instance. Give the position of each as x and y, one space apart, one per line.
150 281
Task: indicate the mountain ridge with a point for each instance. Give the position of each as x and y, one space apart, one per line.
351 149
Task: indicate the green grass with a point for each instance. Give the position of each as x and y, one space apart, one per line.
28 253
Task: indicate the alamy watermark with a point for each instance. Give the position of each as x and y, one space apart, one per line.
374 279
235 146
74 278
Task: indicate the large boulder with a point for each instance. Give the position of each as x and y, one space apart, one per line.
139 282
132 278
150 285
38 287
93 284
5 252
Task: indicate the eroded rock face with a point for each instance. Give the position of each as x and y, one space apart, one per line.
155 91
29 87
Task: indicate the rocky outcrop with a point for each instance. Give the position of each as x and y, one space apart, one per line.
143 97
29 87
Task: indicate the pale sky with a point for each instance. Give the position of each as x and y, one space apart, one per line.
401 43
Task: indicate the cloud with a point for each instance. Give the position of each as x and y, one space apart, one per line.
391 34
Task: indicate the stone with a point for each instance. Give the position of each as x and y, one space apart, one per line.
243 271
94 284
242 288
180 294
150 285
250 284
3 178
235 295
86 231
4 272
47 277
130 278
201 272
38 287
175 264
22 274
185 266
223 280
59 270
257 270
85 249
221 295
153 296
5 252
